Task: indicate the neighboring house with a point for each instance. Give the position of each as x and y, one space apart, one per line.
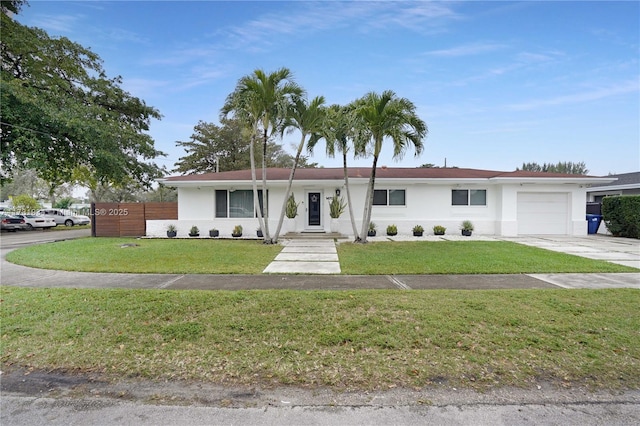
498 203
625 184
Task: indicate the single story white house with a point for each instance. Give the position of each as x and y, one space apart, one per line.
498 203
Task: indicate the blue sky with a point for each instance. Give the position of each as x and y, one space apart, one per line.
498 83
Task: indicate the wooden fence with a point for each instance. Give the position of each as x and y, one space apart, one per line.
128 219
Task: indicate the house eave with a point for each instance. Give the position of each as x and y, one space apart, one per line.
399 181
613 187
247 183
553 180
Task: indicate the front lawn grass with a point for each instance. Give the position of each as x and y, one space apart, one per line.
355 340
462 257
170 256
206 256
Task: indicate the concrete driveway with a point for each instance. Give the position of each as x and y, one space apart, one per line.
623 251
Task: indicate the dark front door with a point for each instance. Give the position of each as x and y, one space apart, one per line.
313 204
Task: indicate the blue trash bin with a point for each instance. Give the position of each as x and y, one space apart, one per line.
593 223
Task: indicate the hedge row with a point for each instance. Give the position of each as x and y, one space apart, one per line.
621 214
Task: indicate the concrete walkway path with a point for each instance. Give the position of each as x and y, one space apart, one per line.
306 257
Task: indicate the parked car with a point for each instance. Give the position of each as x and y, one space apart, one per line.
12 223
33 221
64 217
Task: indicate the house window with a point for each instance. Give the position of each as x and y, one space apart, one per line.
237 204
221 203
380 197
468 197
396 197
389 197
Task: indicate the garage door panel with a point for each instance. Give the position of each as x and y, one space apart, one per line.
542 213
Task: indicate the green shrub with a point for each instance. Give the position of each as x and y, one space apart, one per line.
392 230
25 204
336 207
466 225
621 215
439 230
64 203
292 207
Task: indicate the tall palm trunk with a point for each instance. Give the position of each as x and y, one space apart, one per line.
254 182
288 191
366 216
349 203
265 208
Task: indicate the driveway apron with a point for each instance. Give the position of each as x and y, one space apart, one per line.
306 257
622 251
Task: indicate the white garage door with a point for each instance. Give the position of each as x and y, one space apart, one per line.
543 213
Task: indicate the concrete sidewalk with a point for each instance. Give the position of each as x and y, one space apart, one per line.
21 276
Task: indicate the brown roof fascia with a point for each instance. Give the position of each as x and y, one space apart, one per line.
282 174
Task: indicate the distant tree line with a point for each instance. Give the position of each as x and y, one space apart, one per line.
567 167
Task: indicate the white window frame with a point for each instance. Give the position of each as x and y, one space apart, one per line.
468 204
388 198
228 197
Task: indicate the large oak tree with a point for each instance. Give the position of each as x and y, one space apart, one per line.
60 111
225 147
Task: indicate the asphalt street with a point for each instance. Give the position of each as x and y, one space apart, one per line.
35 411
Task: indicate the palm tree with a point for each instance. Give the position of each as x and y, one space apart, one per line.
337 131
381 117
309 120
262 101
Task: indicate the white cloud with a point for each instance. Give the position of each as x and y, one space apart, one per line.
530 57
118 34
183 56
144 88
587 96
365 16
421 17
467 49
521 61
60 24
202 75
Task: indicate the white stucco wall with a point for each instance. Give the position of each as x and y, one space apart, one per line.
579 225
196 203
426 204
